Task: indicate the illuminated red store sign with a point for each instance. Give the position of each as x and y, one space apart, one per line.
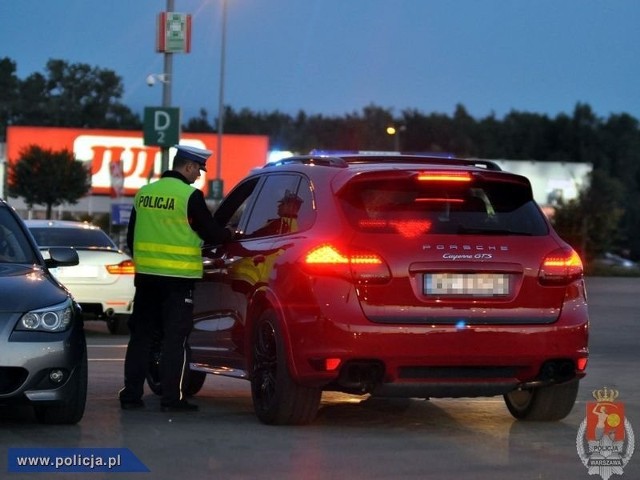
139 163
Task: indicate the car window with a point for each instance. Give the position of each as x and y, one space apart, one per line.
283 206
307 212
413 208
71 237
231 210
14 245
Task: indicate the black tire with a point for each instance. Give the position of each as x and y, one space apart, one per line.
550 403
117 324
194 383
72 410
153 373
277 398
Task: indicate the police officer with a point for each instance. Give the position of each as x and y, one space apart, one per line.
168 224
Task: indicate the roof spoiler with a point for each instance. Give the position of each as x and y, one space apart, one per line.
342 161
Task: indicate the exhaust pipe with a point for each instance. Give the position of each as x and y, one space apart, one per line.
361 376
552 372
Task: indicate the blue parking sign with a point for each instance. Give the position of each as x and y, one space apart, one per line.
120 213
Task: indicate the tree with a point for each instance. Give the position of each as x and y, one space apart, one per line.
48 177
463 132
198 124
590 223
67 95
8 93
31 104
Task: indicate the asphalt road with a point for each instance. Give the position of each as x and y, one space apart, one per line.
353 438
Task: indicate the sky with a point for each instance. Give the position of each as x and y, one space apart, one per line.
336 57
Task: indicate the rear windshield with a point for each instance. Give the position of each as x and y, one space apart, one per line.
414 208
71 237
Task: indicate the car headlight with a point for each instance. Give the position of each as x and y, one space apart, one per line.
56 318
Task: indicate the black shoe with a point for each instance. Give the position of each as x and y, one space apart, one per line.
131 404
179 406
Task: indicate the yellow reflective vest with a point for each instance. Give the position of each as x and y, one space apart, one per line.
164 243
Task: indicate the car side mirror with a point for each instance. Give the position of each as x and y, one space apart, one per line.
62 257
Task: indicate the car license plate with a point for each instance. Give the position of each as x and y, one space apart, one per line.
78 271
474 284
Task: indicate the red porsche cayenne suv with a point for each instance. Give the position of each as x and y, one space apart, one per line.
391 275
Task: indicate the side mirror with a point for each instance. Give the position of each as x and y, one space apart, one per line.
62 257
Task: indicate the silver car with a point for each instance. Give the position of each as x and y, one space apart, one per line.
43 352
102 283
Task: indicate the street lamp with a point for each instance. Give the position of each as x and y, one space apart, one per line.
166 91
165 80
395 132
221 95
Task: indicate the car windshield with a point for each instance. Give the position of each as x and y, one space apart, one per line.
71 237
409 207
14 245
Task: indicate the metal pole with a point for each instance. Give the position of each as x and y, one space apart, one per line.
167 80
221 92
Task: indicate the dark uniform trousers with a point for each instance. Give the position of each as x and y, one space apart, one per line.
164 303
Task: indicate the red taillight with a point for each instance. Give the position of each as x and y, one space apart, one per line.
561 266
359 266
582 364
411 228
126 267
331 364
325 255
325 364
444 177
406 228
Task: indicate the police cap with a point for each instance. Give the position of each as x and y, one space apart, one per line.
291 198
198 155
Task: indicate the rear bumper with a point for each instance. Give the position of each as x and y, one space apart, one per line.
99 299
443 389
434 359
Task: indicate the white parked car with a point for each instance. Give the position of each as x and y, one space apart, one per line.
102 283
